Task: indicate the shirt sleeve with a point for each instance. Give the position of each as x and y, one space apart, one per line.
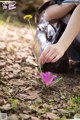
72 1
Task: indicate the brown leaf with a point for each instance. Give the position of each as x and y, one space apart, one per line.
33 95
24 116
2 94
6 107
35 118
22 96
13 117
18 82
2 45
2 63
51 116
63 111
1 101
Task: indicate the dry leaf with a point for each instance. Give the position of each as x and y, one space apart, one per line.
35 118
24 116
6 107
51 116
12 117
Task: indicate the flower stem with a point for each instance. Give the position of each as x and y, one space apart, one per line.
31 29
35 42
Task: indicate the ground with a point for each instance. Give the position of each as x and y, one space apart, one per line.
23 96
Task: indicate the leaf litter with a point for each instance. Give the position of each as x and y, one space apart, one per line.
21 93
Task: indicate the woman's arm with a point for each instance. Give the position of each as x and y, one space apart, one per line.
45 1
72 29
58 11
54 52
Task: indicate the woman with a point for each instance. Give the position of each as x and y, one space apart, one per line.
54 52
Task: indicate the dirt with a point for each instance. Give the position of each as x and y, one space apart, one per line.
23 96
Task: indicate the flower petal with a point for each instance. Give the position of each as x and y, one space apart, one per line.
50 81
47 78
48 74
28 17
43 76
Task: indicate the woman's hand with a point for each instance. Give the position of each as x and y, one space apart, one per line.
52 53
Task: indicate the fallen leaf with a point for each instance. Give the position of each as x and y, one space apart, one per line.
32 95
6 107
51 116
2 63
35 118
1 102
24 116
12 117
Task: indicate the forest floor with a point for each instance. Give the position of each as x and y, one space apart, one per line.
22 95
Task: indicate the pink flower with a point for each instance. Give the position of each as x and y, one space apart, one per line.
47 78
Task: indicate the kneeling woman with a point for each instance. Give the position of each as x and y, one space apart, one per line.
54 52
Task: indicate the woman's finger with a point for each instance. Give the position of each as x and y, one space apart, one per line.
50 56
55 59
44 53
